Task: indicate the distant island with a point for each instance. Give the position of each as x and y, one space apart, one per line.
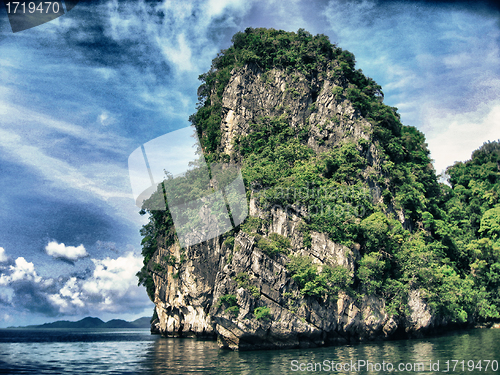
90 322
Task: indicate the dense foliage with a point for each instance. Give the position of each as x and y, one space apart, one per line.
159 231
313 281
447 246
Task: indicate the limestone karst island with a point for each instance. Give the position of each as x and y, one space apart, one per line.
349 234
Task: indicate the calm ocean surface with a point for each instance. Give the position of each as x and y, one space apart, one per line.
135 351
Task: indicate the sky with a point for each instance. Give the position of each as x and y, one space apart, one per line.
80 93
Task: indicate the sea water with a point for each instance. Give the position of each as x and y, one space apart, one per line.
136 351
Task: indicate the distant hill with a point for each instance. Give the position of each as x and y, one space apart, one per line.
90 322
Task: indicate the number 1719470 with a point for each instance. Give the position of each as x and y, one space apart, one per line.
32 7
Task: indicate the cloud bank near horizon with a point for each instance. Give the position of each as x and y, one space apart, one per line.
111 287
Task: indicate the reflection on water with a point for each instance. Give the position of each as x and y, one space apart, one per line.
174 356
137 352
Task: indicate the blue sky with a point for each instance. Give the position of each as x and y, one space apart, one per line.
79 94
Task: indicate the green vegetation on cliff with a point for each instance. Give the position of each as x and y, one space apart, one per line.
421 235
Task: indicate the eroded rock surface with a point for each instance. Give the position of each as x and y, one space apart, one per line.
189 295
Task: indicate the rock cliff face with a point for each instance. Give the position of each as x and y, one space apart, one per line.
265 307
316 103
187 304
252 94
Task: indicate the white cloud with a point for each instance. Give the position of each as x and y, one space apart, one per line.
114 279
455 136
61 304
60 250
215 8
24 270
68 297
111 288
3 256
179 53
21 271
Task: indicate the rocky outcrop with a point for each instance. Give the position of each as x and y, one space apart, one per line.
184 292
229 288
316 103
188 300
252 94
